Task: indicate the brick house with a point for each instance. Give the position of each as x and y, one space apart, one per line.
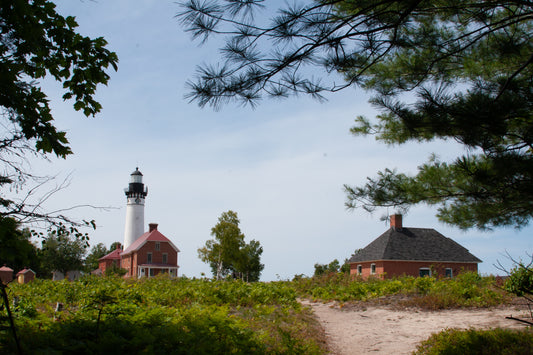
26 275
151 254
109 260
6 274
413 252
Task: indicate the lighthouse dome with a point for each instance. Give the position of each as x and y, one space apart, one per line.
136 176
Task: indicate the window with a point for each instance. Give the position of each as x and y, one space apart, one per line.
359 269
149 258
152 272
372 269
165 258
157 246
448 272
424 271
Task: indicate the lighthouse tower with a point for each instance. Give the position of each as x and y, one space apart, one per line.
136 193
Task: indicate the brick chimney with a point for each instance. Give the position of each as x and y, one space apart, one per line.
153 226
396 221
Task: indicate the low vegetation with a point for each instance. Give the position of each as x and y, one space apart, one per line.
465 290
161 316
493 341
175 316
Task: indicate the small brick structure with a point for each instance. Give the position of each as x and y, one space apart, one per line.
412 252
6 274
25 275
109 260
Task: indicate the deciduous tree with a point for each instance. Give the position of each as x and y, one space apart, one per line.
228 255
97 251
248 267
451 70
333 266
115 245
37 43
16 249
62 251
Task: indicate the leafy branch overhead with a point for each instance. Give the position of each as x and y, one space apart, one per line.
37 43
452 70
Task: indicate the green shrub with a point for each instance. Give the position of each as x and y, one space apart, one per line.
466 290
520 280
161 316
464 342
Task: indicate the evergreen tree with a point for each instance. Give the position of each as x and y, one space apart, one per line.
443 69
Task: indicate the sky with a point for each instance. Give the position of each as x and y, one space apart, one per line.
280 166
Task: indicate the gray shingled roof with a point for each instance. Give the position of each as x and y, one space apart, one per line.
421 244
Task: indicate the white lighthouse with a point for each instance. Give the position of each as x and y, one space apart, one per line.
136 194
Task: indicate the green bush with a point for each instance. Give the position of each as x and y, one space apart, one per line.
464 342
520 280
160 316
466 290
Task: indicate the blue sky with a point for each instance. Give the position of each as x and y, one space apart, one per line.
281 167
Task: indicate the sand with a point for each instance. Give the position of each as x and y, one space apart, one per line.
380 330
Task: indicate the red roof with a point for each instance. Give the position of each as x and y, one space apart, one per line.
6 268
153 236
23 271
114 255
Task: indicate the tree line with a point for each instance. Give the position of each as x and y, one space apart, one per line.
59 250
63 250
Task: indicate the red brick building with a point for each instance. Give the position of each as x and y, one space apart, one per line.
26 275
151 254
6 274
413 252
109 260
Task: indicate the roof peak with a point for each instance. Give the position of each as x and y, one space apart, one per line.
137 172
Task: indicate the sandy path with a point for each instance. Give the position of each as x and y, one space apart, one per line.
379 330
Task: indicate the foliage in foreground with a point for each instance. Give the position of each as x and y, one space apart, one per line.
161 316
465 290
494 341
520 281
